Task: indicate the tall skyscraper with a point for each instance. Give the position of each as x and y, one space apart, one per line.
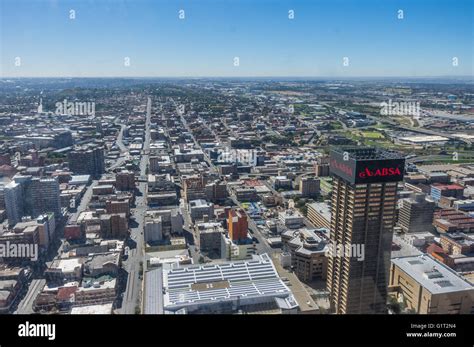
87 160
28 196
44 195
13 202
363 214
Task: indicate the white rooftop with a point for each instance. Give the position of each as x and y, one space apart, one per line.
431 274
202 284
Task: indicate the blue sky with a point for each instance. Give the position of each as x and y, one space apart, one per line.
259 33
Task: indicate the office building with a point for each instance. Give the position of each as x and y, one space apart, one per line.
307 250
291 219
153 228
118 206
429 287
2 196
281 182
447 190
416 213
13 202
364 200
113 225
47 228
125 180
237 224
44 194
321 168
238 250
319 214
39 196
209 238
309 187
87 160
171 219
194 188
200 208
246 194
216 191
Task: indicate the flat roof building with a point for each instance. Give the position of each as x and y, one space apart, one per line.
430 287
217 288
319 214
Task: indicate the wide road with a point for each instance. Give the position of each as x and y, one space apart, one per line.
136 254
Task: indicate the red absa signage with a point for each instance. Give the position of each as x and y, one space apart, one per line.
341 166
367 171
380 172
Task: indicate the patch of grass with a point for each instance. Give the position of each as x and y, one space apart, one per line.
372 135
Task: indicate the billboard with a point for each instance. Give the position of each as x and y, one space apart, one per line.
366 170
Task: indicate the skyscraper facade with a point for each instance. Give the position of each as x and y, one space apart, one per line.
28 196
363 215
13 202
87 160
45 194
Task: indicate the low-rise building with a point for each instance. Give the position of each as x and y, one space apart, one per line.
416 213
231 287
200 208
153 228
246 194
307 249
429 287
309 187
209 238
319 214
291 219
238 250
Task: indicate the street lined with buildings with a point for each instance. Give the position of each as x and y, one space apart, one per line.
308 191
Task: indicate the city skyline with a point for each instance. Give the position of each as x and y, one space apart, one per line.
155 39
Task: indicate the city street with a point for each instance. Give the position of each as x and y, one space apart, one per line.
26 305
136 254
